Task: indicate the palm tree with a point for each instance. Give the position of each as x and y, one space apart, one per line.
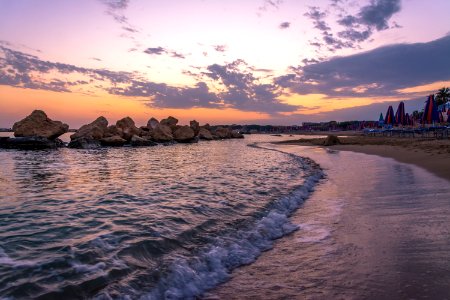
442 96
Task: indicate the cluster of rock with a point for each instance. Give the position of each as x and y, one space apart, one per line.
125 132
37 131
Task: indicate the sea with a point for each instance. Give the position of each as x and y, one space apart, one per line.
163 222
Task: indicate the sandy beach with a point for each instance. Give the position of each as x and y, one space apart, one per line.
374 229
432 155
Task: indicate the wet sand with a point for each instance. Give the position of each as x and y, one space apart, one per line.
374 229
430 154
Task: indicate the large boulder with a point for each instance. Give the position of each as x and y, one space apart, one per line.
113 141
84 143
39 125
223 133
184 134
92 131
205 134
331 140
112 130
137 141
162 133
152 123
170 121
128 128
195 126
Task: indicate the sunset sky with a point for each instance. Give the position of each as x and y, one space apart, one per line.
222 62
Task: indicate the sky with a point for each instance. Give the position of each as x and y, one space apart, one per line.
274 62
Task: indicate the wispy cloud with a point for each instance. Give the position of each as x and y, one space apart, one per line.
220 48
116 9
284 25
163 51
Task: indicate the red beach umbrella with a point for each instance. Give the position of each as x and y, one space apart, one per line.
389 119
430 113
400 114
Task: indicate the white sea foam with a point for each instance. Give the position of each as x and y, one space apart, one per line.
187 279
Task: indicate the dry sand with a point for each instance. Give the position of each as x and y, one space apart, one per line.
430 154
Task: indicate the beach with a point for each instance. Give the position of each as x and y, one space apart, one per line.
375 228
430 154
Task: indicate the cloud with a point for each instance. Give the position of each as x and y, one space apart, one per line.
116 8
161 51
243 91
269 4
155 51
220 48
357 28
284 25
379 72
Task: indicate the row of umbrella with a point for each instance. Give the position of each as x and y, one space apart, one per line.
430 114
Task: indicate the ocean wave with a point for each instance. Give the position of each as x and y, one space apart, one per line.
187 279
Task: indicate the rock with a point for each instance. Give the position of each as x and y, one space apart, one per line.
92 131
113 141
152 123
39 125
184 134
207 127
236 135
112 130
331 140
170 121
223 133
83 143
137 141
128 128
195 126
162 133
205 134
30 143
144 128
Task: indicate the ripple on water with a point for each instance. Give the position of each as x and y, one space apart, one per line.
88 222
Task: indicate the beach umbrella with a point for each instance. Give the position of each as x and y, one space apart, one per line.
408 120
430 113
400 114
390 118
381 120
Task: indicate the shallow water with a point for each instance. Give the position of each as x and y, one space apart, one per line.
165 221
374 229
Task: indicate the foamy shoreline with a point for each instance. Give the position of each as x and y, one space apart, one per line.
375 229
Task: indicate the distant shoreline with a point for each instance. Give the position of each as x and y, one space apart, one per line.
430 154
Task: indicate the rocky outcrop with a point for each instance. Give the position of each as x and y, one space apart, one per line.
83 143
170 121
223 133
92 131
113 141
184 134
127 128
205 134
331 140
137 141
30 143
236 135
37 124
162 133
112 130
152 123
88 136
195 126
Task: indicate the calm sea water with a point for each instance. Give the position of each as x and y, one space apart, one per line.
159 222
